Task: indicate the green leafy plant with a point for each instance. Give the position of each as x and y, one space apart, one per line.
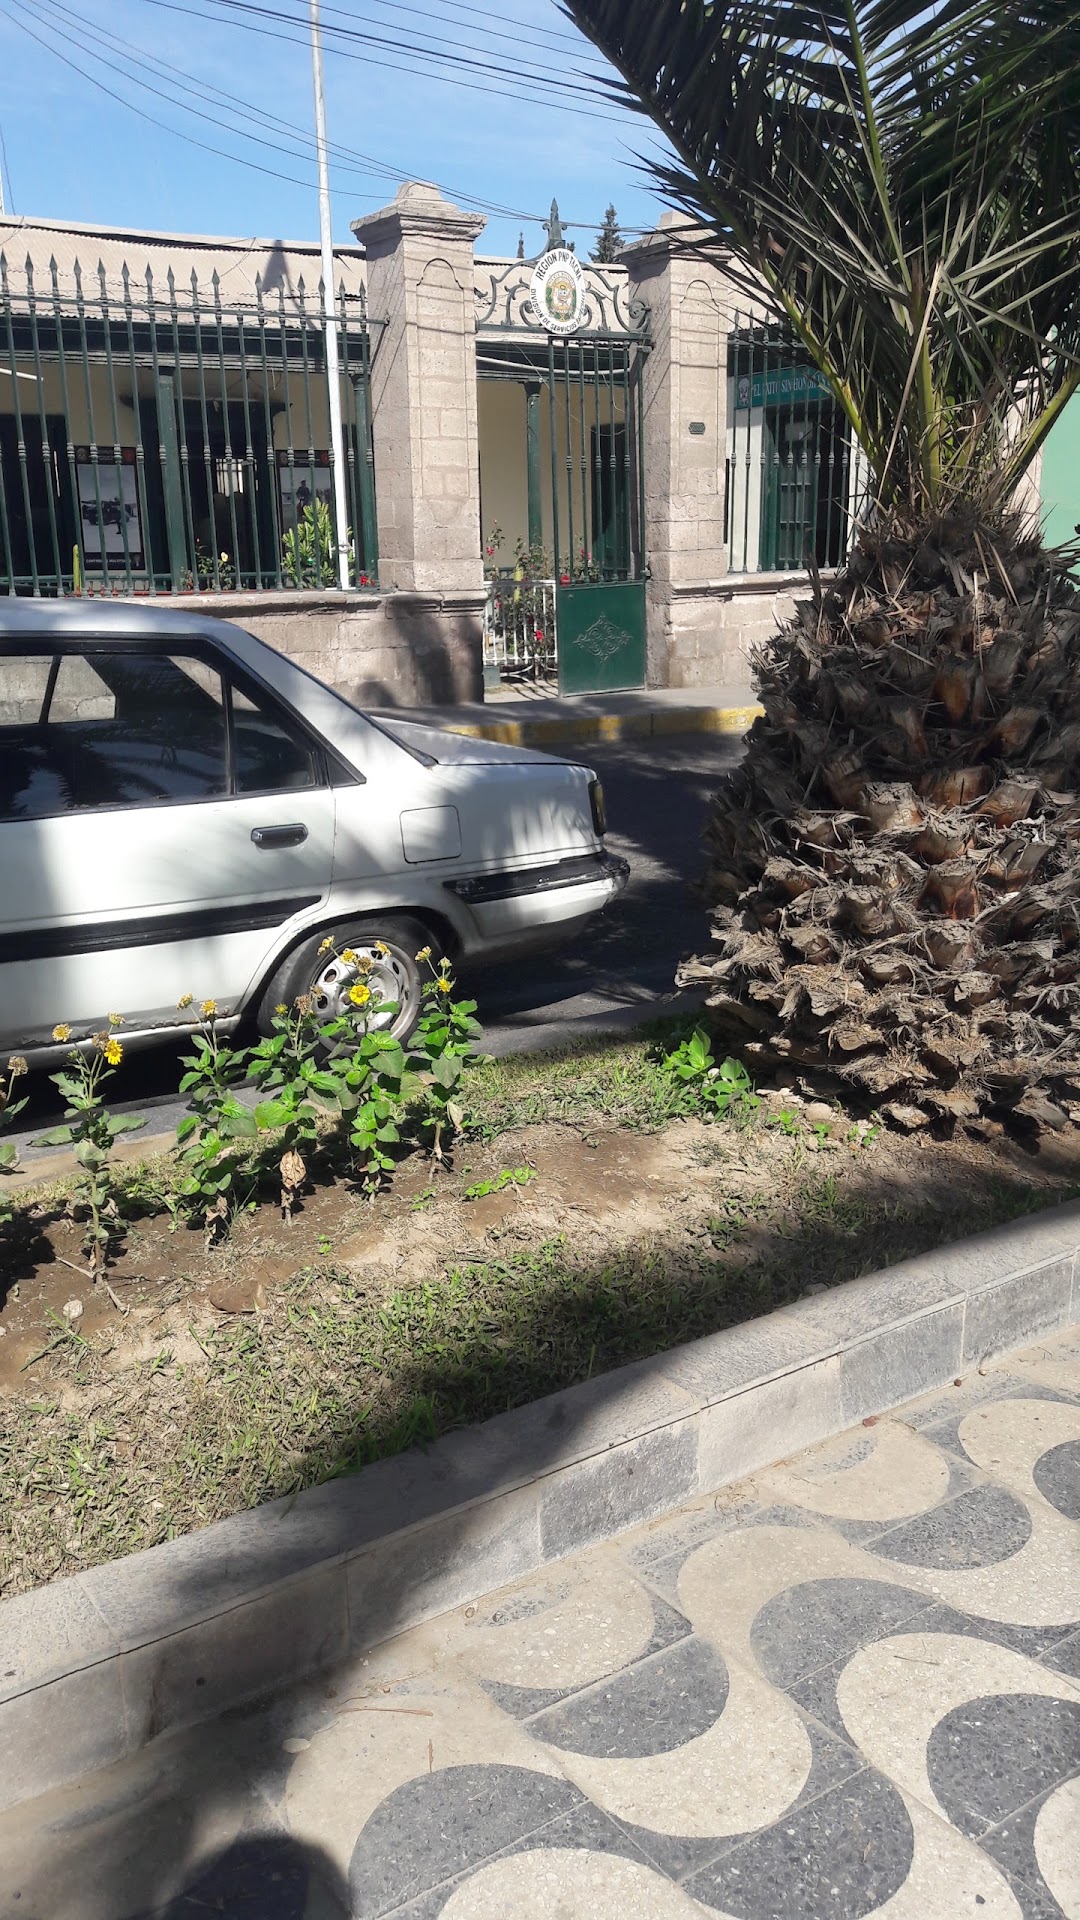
91 1130
9 1107
508 1177
367 1066
300 1091
723 1090
786 1122
443 1048
215 1134
309 550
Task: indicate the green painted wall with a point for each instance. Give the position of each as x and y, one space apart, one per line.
1061 477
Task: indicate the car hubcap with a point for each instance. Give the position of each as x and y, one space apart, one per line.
389 978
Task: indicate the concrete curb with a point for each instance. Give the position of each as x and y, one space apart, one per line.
579 729
96 1666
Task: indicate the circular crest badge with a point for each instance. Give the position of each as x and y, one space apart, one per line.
558 291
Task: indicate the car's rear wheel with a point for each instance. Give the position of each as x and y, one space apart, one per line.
395 976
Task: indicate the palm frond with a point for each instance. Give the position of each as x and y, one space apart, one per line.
902 185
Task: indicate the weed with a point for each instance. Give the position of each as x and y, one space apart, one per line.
215 1133
9 1107
786 1122
444 1046
287 1069
509 1177
721 1090
91 1130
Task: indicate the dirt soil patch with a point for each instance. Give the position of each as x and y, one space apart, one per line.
553 1250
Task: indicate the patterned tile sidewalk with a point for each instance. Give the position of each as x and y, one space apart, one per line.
850 1686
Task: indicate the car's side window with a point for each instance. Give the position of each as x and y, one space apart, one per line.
269 755
108 729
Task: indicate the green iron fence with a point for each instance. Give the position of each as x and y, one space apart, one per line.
156 440
795 485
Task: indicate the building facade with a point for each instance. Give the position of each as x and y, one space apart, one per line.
617 474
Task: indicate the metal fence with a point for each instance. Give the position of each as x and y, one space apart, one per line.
795 483
155 440
519 627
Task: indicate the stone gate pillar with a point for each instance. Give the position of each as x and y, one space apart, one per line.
684 406
423 389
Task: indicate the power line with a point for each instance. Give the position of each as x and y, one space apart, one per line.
532 76
119 52
219 152
367 60
518 36
522 30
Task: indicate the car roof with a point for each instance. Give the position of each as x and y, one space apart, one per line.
33 619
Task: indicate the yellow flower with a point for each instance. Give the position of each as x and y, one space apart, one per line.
116 1019
208 1009
359 995
326 945
281 1008
223 556
424 953
381 947
113 1052
185 1000
61 1031
444 983
17 1065
348 956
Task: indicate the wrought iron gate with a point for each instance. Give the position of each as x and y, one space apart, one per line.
583 451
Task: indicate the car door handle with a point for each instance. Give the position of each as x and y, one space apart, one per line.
292 836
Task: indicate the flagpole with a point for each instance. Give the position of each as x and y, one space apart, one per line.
330 335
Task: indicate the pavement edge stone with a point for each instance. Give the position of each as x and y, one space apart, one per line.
185 1631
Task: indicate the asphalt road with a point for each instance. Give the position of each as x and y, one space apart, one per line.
619 973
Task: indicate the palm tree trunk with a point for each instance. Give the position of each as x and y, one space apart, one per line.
893 870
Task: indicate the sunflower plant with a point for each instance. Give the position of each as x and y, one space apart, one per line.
9 1107
368 1066
91 1131
214 1134
299 1090
443 1048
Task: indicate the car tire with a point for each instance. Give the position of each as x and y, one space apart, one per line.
395 975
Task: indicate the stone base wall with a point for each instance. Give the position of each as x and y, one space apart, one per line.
710 631
379 650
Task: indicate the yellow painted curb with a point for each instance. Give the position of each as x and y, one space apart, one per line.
574 730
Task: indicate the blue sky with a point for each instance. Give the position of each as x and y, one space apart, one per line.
76 153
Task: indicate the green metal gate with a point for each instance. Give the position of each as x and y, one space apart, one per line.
583 447
596 512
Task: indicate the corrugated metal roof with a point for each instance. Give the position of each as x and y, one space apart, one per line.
279 264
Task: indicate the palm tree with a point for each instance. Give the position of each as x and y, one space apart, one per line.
895 865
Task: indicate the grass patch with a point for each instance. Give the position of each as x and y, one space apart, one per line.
615 1083
339 1371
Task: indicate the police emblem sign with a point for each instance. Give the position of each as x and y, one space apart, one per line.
558 291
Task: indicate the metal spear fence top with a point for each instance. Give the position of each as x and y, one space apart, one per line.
164 440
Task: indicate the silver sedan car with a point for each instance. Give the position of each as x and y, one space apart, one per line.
183 810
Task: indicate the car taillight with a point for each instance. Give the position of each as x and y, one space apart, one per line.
599 811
